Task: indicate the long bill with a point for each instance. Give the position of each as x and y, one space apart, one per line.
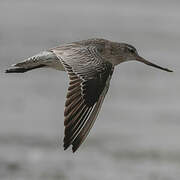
140 59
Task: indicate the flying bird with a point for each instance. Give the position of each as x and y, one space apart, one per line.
89 65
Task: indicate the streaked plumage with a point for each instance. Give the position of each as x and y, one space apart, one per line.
89 64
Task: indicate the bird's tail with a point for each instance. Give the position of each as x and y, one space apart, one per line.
21 69
38 61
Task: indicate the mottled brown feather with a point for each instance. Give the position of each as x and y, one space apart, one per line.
76 117
72 92
75 85
69 138
71 107
73 127
72 98
88 73
87 127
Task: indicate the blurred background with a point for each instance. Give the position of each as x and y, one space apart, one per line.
136 135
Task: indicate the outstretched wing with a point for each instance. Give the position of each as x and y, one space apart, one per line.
89 76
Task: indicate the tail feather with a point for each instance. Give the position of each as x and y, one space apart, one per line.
21 69
39 60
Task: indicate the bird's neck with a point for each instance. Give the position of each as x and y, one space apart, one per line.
115 60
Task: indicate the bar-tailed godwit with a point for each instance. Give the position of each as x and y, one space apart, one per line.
90 65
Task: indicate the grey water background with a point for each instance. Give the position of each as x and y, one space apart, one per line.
137 133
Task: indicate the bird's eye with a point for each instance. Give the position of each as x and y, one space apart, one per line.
131 50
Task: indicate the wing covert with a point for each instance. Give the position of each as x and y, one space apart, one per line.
89 76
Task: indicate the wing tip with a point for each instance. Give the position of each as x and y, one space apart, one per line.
74 148
65 147
75 145
66 144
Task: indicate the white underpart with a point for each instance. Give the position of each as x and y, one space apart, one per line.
47 58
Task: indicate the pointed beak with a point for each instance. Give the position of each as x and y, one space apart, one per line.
140 59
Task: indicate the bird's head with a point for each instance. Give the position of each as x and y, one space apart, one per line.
128 52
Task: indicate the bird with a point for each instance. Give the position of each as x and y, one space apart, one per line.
89 64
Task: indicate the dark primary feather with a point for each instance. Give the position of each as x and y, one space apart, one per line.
88 76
